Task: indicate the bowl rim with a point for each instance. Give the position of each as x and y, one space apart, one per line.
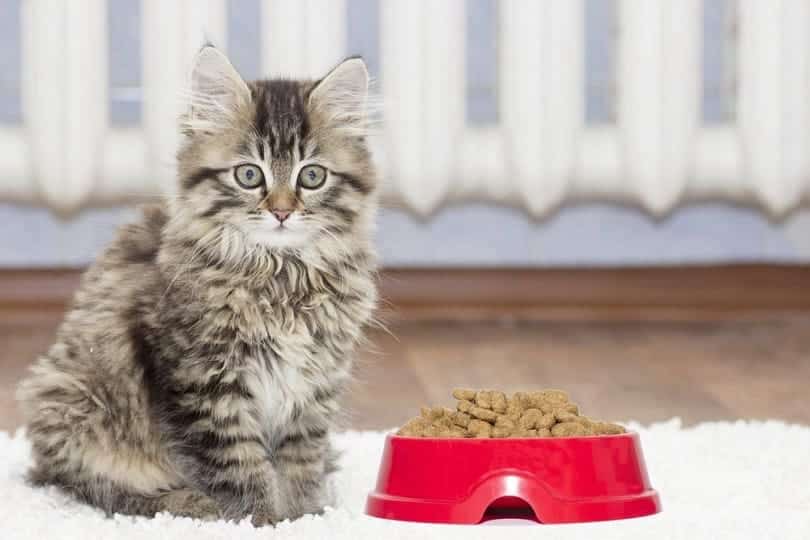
628 433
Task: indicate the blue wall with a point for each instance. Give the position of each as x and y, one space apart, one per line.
479 235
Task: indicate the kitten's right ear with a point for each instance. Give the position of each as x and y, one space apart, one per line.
217 89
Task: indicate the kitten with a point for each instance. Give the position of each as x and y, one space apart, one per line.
199 368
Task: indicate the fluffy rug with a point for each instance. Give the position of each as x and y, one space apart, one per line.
717 480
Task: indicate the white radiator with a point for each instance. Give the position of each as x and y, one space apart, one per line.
540 155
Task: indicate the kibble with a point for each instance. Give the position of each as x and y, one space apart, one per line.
483 414
492 414
570 429
460 419
463 394
499 404
464 406
480 429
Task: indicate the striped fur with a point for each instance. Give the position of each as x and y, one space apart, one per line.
200 367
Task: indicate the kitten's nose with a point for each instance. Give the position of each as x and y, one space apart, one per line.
281 215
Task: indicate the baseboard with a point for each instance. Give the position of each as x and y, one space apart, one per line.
455 293
679 292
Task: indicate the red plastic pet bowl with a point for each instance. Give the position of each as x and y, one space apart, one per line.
552 480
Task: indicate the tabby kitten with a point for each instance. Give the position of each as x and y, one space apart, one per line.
199 367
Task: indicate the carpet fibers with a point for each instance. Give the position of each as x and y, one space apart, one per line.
716 480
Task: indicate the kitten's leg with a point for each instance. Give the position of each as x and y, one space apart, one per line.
66 449
303 461
234 471
89 439
225 467
220 451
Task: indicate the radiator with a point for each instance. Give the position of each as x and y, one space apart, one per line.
540 155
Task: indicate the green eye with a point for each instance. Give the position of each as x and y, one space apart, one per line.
248 176
312 177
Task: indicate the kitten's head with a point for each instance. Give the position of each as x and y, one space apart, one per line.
282 164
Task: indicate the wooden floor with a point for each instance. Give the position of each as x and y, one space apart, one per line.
703 370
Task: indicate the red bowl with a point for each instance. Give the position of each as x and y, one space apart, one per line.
552 480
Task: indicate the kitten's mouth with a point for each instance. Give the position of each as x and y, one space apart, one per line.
276 235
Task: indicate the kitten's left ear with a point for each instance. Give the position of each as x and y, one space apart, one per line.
217 89
343 92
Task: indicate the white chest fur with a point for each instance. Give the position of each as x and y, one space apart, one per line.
279 387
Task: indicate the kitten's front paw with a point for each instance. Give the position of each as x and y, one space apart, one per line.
316 507
306 506
263 518
193 504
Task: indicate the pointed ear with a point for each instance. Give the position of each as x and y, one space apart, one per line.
217 89
342 94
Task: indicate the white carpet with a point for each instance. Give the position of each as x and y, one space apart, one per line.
718 480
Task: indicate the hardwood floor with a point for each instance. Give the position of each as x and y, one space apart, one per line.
756 367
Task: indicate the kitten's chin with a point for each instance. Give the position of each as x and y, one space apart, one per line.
278 237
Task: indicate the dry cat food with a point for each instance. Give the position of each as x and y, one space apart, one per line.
491 414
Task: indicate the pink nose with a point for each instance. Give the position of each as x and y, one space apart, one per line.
282 215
